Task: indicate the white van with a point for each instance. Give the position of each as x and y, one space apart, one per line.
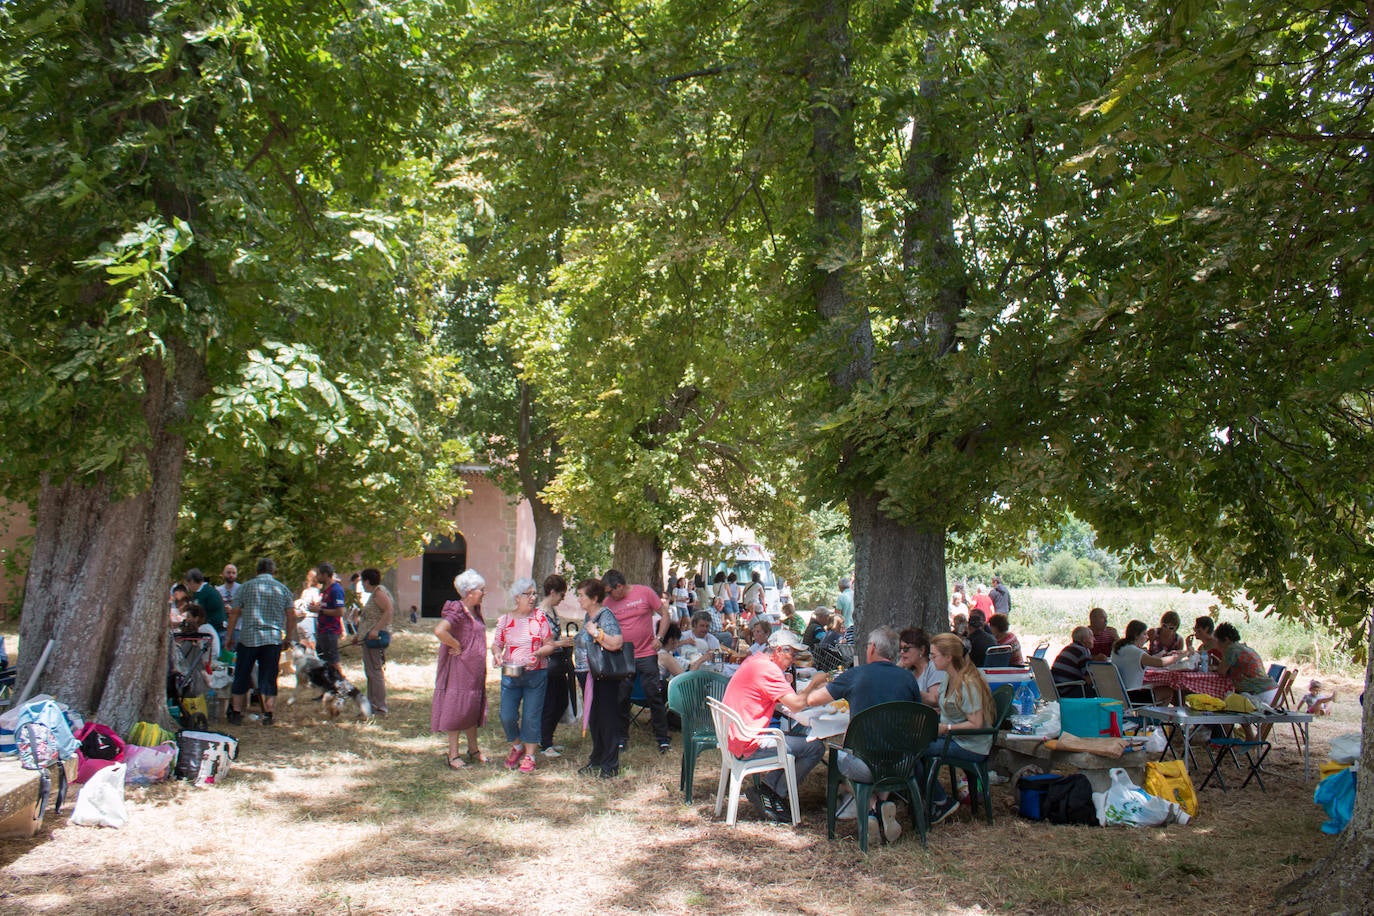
744 560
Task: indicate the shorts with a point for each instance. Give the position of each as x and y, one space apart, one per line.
267 658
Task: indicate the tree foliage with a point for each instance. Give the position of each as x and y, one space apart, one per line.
204 215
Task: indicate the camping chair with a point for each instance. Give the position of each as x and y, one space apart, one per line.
890 739
1045 683
1108 684
734 770
639 702
1281 703
687 695
977 769
1255 751
997 657
1040 650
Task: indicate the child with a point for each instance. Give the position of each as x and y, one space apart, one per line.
1315 702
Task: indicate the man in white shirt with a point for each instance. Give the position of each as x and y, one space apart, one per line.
699 636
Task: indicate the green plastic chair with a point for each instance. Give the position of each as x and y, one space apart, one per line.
977 769
890 739
687 695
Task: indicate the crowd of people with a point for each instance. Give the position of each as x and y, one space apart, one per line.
246 626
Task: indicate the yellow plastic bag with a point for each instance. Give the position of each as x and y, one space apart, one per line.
1204 702
1237 702
1169 780
150 734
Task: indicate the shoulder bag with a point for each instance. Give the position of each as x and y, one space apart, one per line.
611 666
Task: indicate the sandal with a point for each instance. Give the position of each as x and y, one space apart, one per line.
457 763
477 757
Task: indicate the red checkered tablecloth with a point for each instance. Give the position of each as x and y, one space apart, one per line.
1189 681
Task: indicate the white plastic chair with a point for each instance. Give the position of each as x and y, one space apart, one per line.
733 771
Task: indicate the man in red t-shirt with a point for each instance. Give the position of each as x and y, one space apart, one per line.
756 688
634 607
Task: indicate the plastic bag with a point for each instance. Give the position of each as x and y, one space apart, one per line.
101 800
1169 780
1345 748
1125 804
1155 742
1336 795
147 765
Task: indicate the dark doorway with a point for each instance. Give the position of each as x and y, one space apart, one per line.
444 559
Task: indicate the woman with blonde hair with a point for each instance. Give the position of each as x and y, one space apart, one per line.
965 703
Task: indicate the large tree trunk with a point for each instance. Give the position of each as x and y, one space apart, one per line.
899 569
548 531
98 580
1343 882
639 557
899 572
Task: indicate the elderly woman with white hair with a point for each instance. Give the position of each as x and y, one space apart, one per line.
522 646
460 693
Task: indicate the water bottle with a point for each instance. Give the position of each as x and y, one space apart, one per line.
1204 663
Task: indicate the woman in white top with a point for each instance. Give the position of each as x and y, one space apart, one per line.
1131 660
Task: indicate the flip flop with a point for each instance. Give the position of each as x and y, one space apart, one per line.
456 763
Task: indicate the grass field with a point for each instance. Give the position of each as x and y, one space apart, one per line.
364 817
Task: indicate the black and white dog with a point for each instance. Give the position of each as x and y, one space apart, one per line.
336 692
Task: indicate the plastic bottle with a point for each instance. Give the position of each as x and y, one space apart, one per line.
1204 664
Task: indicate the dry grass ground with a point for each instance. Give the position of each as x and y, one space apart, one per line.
365 818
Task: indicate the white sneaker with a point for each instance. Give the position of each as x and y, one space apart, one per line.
551 752
846 809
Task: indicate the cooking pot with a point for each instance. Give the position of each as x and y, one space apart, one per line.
512 670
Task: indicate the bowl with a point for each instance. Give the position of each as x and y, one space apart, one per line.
512 670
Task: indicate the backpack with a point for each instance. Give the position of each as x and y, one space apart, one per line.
49 714
1069 800
39 750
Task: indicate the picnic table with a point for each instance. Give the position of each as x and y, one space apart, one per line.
1176 719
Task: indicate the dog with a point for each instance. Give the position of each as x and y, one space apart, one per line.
335 690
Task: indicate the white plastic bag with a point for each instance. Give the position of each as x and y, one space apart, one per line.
1127 805
1346 748
101 800
1155 742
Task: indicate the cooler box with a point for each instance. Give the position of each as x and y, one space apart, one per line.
1090 718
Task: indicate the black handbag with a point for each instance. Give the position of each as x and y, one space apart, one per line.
611 666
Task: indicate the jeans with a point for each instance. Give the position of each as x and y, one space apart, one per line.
327 647
647 669
807 753
522 705
949 749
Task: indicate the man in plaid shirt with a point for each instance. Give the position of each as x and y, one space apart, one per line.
269 622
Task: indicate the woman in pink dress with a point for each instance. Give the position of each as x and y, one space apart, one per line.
460 682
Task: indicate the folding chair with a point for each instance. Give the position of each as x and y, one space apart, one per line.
1108 684
639 702
1040 650
1045 683
1255 751
733 770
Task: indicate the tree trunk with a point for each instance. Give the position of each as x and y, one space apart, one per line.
1343 882
548 531
899 572
639 557
98 581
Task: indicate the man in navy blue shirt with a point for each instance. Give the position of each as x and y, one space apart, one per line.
878 680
